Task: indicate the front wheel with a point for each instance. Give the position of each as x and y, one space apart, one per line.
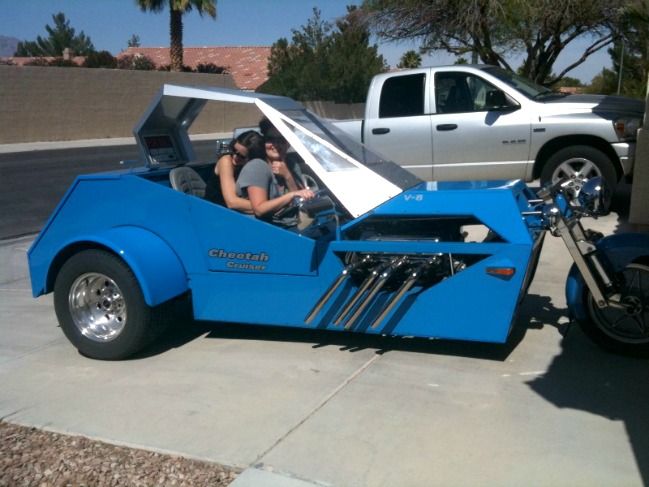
624 331
100 306
578 163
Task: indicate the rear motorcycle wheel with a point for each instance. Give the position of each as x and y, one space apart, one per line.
624 331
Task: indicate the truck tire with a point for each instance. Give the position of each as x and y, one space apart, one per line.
579 162
100 307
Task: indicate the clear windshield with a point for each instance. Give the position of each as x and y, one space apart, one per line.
332 160
524 85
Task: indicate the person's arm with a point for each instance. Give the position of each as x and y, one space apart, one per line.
256 179
262 206
225 170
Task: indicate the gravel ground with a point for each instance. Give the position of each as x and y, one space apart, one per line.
33 457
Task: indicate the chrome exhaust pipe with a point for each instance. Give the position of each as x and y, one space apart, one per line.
344 275
380 282
403 289
361 290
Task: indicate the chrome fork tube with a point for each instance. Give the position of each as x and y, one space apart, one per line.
575 240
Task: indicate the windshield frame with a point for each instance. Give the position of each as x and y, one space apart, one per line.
524 86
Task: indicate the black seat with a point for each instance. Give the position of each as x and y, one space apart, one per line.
213 190
188 181
459 99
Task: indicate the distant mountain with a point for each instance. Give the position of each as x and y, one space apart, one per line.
8 45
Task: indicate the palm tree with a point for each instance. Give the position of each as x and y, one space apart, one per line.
176 10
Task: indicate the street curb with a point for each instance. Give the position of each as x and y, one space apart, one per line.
253 477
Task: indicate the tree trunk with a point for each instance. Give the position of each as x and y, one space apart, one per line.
176 33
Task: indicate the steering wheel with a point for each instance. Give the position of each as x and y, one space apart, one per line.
314 205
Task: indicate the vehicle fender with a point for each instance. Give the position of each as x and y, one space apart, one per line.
620 250
156 266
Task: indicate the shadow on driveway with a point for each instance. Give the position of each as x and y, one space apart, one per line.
534 312
585 378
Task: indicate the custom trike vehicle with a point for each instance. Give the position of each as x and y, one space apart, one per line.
383 252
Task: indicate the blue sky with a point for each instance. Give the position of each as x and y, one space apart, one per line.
110 23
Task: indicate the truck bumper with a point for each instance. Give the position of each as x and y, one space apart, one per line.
626 153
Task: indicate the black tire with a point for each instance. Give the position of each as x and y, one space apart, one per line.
100 307
575 159
621 331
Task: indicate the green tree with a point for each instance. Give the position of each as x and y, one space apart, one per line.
138 62
568 81
298 69
323 62
210 68
496 29
604 83
350 61
176 10
630 53
60 36
101 59
134 41
410 59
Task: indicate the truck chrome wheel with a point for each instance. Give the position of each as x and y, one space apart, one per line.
578 170
97 307
578 163
629 325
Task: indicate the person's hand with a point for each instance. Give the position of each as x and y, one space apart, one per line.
280 169
305 194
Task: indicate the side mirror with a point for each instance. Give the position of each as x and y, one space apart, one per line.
497 100
595 197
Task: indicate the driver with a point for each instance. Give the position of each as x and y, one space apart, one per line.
273 183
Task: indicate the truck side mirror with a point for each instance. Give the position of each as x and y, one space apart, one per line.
497 100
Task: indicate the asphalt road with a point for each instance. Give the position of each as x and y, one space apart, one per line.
34 182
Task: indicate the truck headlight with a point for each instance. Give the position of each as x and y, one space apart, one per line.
626 127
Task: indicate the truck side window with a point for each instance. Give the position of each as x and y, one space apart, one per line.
403 96
457 92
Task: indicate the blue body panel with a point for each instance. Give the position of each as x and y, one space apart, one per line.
240 269
619 251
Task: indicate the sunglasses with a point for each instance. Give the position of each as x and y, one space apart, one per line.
277 141
239 155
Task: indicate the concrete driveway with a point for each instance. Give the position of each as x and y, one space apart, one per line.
345 410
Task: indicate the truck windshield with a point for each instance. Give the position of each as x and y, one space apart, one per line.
524 85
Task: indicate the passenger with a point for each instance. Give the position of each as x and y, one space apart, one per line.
271 184
221 187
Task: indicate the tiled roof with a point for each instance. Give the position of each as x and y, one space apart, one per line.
247 65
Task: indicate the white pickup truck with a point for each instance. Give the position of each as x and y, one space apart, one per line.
481 122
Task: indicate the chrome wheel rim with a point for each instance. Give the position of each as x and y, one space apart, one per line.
629 325
577 170
97 307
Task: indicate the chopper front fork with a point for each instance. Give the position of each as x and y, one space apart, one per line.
583 253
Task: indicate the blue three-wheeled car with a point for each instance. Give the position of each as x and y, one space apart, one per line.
379 251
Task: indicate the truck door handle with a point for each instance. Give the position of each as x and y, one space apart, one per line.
445 127
380 131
